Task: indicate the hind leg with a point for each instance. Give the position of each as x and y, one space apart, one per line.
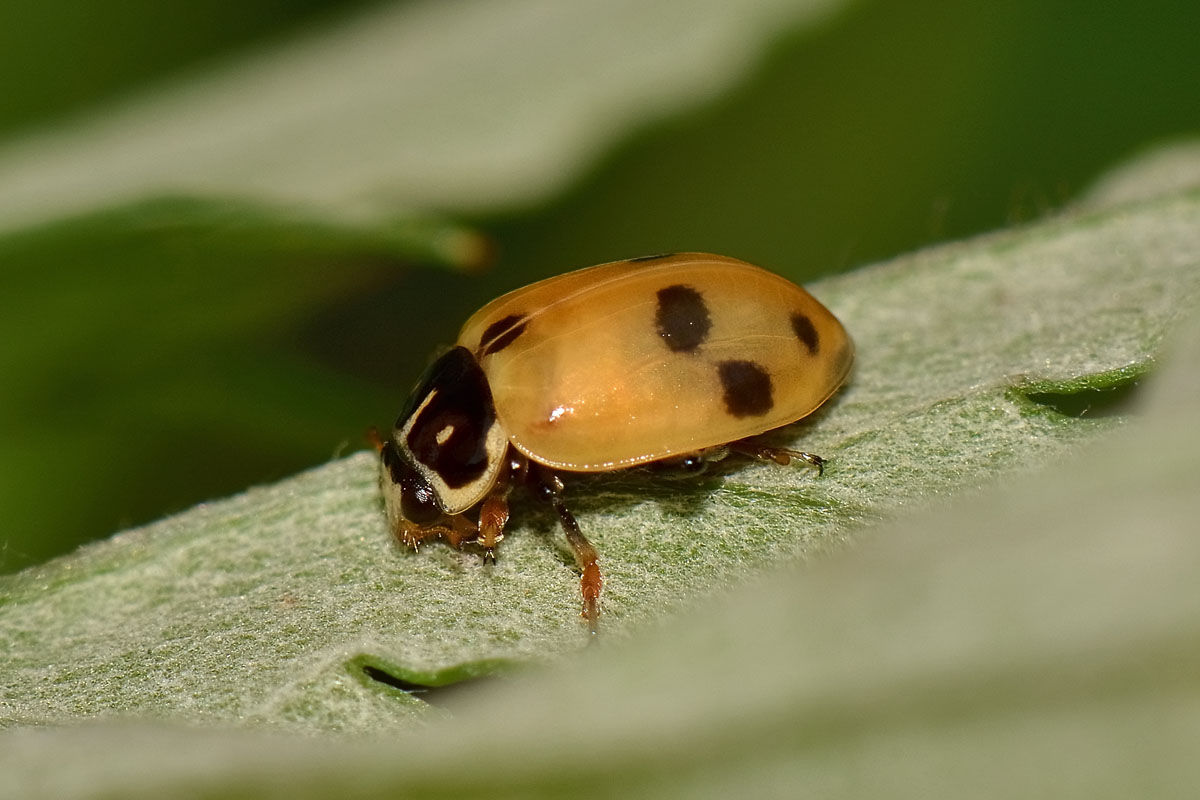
779 455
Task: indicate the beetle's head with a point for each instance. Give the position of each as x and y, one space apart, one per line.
449 436
407 496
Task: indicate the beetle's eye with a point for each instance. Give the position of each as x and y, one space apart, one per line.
418 503
417 500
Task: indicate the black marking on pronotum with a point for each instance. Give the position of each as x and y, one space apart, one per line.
747 387
806 332
501 333
459 413
643 259
682 318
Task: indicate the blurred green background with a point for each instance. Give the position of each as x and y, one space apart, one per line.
161 350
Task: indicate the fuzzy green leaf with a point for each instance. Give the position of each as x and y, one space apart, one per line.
264 609
1035 641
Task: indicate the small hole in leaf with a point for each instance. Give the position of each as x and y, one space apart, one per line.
388 679
434 695
1109 401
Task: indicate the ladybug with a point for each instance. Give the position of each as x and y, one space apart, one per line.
679 358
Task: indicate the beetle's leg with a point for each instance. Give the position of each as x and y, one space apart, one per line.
779 455
457 530
454 530
493 516
550 488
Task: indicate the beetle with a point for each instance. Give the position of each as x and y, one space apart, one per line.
678 358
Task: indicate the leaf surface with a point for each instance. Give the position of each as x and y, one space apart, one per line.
264 608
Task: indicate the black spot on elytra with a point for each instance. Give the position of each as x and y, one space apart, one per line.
806 332
461 401
501 333
747 386
505 339
642 259
682 318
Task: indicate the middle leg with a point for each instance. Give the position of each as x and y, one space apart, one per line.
550 488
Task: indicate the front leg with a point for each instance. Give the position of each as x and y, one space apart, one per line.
493 514
456 530
547 486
